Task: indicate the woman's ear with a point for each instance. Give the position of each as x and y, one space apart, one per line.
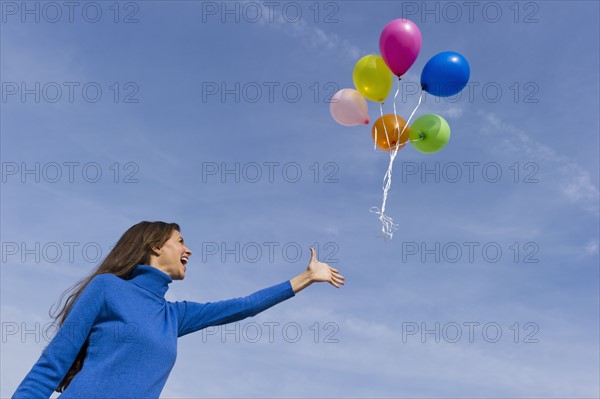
156 250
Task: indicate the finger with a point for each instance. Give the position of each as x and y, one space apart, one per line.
313 255
333 271
338 275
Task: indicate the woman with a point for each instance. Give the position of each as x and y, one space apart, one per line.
118 334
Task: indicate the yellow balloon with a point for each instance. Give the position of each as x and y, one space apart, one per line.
372 78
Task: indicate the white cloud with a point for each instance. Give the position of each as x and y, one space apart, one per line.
571 179
313 36
591 248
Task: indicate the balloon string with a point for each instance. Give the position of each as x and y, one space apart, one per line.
388 225
413 113
398 146
384 129
396 113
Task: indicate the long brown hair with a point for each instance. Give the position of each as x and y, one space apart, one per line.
133 248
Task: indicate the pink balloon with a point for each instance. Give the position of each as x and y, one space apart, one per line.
399 44
349 108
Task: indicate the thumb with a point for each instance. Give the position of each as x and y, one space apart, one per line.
313 257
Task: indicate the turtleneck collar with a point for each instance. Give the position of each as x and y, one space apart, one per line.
151 279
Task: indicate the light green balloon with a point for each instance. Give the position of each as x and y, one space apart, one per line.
429 133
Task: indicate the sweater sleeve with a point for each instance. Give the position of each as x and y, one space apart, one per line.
194 316
58 357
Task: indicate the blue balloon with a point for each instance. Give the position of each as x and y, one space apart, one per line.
445 74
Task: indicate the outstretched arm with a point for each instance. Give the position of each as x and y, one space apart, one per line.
194 316
317 272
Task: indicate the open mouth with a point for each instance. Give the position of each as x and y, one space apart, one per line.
184 261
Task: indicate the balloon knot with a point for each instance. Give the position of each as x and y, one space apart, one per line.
388 225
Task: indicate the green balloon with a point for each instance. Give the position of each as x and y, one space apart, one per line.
429 133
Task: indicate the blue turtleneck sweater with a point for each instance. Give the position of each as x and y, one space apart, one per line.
132 334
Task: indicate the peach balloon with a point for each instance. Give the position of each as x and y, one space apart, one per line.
349 108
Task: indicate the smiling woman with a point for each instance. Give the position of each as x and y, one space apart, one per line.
172 257
118 334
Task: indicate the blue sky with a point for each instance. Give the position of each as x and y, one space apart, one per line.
531 107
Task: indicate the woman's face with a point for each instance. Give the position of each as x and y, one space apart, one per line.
173 257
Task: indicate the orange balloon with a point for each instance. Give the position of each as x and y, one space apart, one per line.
393 127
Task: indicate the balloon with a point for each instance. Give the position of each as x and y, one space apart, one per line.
399 44
429 133
393 127
372 78
445 74
349 108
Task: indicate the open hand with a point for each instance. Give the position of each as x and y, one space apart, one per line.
322 272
